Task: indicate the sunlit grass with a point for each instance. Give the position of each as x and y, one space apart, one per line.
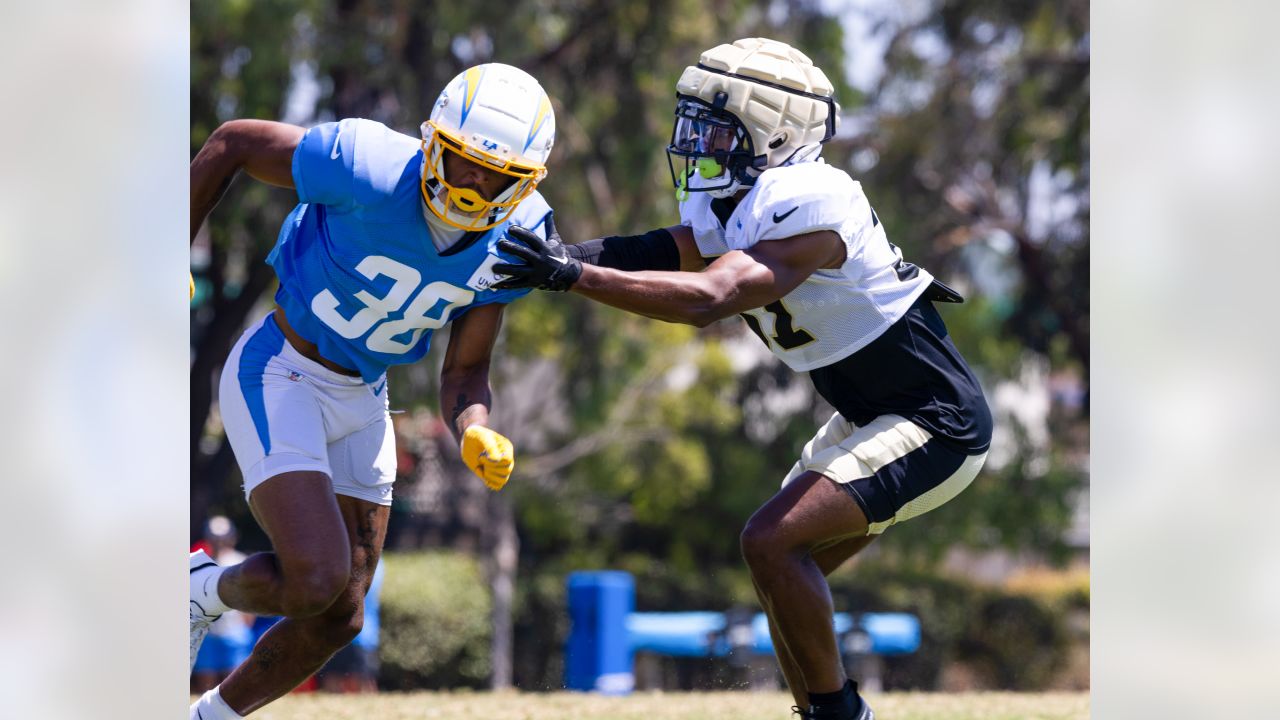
665 706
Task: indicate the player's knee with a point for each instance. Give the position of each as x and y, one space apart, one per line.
341 625
313 590
759 544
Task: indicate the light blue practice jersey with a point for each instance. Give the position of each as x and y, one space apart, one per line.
359 275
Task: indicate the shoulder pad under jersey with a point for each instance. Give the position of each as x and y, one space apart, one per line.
531 212
793 200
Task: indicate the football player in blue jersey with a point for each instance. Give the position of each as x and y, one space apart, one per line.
770 231
393 238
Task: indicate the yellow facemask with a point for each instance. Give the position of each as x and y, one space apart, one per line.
464 208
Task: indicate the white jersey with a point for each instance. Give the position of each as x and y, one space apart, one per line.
833 313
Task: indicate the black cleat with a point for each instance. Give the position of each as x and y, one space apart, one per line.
863 713
855 708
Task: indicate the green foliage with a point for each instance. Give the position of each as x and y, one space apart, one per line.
435 621
1016 642
1009 638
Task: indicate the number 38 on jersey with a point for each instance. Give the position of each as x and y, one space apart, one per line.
396 336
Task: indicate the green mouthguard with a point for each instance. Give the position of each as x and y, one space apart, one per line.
707 167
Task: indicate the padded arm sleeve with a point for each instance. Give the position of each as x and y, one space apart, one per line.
654 250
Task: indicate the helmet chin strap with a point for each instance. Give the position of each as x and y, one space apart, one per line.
747 177
707 170
727 191
737 181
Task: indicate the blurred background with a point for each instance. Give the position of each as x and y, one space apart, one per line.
645 446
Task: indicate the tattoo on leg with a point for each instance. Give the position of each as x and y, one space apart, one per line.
366 536
265 654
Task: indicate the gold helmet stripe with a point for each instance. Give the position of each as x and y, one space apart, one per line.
474 75
544 110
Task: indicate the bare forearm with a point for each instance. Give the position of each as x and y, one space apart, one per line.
735 282
212 171
679 297
465 399
262 148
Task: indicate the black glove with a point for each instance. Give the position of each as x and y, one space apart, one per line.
546 264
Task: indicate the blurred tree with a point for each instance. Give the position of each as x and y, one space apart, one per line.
974 147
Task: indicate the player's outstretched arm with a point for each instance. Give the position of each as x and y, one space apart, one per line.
671 248
263 148
737 281
465 397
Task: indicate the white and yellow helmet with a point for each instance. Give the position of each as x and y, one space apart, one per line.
744 108
496 115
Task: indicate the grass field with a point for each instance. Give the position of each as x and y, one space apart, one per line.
664 706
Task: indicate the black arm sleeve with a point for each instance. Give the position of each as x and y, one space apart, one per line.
655 250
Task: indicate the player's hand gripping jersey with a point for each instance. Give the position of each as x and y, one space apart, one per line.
870 343
359 274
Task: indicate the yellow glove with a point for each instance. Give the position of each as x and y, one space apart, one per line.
489 455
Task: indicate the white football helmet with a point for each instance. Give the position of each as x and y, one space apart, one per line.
744 108
496 115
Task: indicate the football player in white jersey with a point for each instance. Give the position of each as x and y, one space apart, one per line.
771 232
393 237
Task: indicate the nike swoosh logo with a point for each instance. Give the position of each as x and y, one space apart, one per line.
779 218
378 390
337 149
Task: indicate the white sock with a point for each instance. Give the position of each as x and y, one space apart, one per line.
211 706
204 590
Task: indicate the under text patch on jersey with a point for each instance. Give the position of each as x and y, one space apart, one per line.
484 276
